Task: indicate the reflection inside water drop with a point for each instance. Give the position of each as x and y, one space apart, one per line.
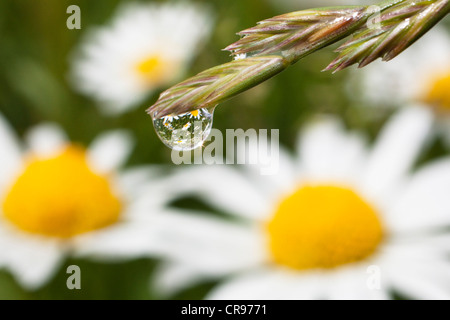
185 131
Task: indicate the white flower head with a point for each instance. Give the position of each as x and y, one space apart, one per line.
58 198
145 47
339 221
419 74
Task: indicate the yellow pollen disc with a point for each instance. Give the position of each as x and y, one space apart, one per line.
439 94
61 197
194 113
321 227
155 70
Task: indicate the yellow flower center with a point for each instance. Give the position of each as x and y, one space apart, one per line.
321 227
439 93
61 197
155 70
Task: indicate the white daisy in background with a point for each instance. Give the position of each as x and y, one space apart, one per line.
419 74
295 5
146 46
339 221
57 198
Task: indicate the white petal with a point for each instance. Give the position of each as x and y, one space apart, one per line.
269 285
419 288
425 201
138 176
223 187
148 200
351 283
127 239
11 158
409 76
420 248
396 150
46 140
105 66
276 186
110 151
439 241
417 269
329 154
267 162
208 244
32 260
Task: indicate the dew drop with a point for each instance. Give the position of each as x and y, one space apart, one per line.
185 131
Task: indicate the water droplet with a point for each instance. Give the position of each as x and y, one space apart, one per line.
185 131
241 56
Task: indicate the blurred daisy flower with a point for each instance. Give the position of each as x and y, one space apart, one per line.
145 47
339 221
292 5
420 74
57 198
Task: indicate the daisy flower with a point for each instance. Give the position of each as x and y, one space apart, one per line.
338 221
305 4
420 74
145 47
58 198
